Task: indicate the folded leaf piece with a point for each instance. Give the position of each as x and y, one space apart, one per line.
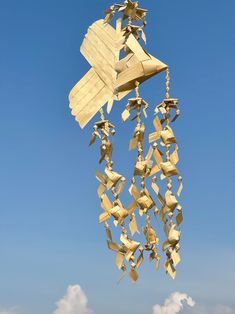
133 275
167 136
169 169
133 226
109 79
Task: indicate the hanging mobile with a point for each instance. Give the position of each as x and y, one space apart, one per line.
111 79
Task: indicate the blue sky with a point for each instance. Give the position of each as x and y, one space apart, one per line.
49 235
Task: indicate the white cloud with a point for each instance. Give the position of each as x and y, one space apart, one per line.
174 304
74 302
177 301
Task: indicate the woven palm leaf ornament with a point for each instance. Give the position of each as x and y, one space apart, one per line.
109 80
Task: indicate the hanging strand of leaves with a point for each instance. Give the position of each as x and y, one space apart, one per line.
164 136
113 183
142 200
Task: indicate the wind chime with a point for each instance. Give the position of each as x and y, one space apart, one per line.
111 79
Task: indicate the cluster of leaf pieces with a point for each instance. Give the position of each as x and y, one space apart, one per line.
158 161
145 168
131 12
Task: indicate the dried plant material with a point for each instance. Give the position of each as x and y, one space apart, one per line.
169 169
179 218
173 236
119 214
101 189
113 246
119 65
108 233
134 192
158 127
140 260
113 176
133 275
149 154
150 235
145 202
105 203
121 186
170 269
104 217
154 136
140 168
131 246
174 157
109 78
171 200
157 262
157 124
155 169
133 225
132 207
180 185
131 10
157 156
125 115
100 177
167 136
119 260
155 186
109 14
175 258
